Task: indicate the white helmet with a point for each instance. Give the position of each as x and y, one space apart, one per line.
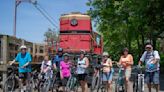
105 54
23 47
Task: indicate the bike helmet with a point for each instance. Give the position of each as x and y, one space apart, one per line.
105 54
23 47
60 49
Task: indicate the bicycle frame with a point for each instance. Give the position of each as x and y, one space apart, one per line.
139 81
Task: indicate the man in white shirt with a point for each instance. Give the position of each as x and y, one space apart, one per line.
151 59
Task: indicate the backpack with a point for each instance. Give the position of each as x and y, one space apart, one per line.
152 55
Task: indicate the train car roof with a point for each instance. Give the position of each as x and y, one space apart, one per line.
75 15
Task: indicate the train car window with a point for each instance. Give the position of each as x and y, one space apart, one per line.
98 40
74 22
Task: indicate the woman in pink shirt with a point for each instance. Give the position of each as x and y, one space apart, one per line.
65 70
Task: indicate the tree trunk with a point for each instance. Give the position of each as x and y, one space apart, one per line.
154 42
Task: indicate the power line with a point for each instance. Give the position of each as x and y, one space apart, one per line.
45 14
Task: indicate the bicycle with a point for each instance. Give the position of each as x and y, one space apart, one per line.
101 86
138 85
55 82
120 81
72 83
34 80
96 79
12 79
45 82
12 82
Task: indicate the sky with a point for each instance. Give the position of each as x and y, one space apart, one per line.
31 25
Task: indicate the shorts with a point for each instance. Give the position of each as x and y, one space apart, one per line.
59 82
152 77
64 81
25 75
82 77
107 76
128 73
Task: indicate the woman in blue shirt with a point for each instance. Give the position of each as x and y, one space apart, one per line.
24 59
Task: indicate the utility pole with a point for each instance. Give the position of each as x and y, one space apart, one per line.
15 17
17 2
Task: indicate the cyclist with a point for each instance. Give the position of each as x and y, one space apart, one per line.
107 71
82 66
58 58
24 59
126 60
56 64
151 59
65 70
46 66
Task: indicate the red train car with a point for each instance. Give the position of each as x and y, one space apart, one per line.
76 34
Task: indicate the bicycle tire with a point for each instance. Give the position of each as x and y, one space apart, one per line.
55 85
70 84
102 89
7 83
30 86
95 83
117 87
135 86
140 85
40 87
67 88
46 85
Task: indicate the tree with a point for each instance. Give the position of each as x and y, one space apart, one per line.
128 23
51 35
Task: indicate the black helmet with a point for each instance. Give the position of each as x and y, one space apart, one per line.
60 49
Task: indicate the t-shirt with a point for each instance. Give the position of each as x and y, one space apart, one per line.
22 59
128 58
80 66
65 69
148 57
46 64
57 59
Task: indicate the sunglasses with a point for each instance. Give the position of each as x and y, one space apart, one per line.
148 48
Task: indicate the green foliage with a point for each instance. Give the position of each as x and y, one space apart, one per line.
50 35
128 23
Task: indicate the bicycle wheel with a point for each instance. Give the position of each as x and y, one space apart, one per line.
30 86
46 85
120 87
9 85
95 83
140 85
67 88
40 87
70 86
102 88
135 84
55 85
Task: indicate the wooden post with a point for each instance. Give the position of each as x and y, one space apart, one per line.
4 56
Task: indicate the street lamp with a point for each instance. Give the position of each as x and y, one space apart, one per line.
17 2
